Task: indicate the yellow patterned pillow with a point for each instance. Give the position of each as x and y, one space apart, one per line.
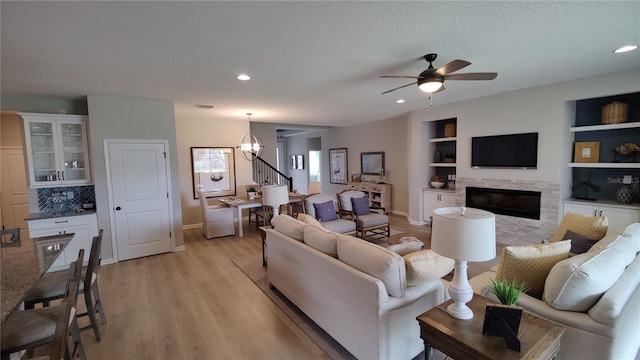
531 264
593 227
426 265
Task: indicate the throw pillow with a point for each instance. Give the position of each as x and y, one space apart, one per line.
593 227
325 211
360 205
531 264
309 220
579 243
426 265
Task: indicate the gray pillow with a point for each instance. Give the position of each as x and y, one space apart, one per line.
579 243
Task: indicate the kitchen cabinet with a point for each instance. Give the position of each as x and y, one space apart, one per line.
57 149
617 214
436 199
85 227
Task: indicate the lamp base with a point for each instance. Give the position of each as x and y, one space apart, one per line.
461 292
460 311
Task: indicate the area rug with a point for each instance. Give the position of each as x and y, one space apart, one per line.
251 266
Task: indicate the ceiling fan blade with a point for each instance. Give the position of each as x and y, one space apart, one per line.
399 87
454 65
472 76
399 77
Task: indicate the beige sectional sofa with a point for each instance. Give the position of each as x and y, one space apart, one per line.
356 291
595 295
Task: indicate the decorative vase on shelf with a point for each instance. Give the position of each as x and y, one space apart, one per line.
624 195
437 157
635 191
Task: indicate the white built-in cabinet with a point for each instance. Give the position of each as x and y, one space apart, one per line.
57 149
379 194
617 214
85 227
433 199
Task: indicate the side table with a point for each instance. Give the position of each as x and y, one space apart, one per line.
463 339
263 236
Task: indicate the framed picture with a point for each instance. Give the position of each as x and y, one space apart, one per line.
292 162
213 171
338 166
587 152
300 162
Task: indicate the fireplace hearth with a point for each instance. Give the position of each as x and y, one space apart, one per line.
518 203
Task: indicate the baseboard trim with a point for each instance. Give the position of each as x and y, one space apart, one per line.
179 248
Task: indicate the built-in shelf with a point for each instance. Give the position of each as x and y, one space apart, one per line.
627 125
606 165
434 140
443 164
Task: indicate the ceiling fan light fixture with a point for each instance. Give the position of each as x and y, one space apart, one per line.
430 86
243 77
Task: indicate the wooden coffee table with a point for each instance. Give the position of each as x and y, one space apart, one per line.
463 339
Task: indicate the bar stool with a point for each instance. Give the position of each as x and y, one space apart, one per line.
51 287
26 330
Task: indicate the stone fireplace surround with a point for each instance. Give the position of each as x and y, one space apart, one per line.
512 230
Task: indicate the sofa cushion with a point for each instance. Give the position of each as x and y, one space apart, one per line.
531 264
383 264
405 248
593 227
325 211
426 265
321 240
360 205
289 226
577 283
633 232
579 243
309 220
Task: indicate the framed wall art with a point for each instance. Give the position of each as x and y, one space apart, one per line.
213 171
587 152
338 166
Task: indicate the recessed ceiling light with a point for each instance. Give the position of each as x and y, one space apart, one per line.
243 77
625 49
400 101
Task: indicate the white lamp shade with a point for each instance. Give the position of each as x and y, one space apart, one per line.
275 195
463 233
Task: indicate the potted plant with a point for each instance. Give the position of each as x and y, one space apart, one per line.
251 192
504 319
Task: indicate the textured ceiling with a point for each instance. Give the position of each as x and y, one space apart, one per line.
311 63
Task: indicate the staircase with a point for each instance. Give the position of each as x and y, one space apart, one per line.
265 174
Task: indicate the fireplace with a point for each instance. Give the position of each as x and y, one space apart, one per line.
518 203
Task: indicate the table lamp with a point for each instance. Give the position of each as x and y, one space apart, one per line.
274 196
463 234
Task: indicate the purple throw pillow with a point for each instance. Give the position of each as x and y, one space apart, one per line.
579 243
360 205
325 211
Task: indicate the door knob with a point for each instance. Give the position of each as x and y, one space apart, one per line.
118 208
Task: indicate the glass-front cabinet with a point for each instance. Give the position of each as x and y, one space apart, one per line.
57 149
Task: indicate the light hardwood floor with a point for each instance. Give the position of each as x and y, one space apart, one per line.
196 304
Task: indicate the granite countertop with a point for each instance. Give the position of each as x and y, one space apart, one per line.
40 216
22 266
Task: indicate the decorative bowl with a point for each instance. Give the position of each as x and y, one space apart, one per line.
437 184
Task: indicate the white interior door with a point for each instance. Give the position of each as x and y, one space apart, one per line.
13 190
140 198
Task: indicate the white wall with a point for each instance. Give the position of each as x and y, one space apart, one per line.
545 109
114 117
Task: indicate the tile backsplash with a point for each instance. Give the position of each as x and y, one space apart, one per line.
65 199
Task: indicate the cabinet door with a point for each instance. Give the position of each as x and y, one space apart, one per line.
73 152
447 200
41 144
618 217
589 210
61 262
431 202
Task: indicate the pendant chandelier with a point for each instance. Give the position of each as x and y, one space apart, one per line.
250 145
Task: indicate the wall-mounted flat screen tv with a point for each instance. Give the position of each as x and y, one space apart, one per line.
513 151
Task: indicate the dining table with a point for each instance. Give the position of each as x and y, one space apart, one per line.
241 203
21 267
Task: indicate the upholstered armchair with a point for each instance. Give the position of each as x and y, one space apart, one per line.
322 207
217 220
354 203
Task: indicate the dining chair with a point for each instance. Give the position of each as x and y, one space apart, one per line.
314 187
217 220
29 329
10 237
355 204
52 286
258 213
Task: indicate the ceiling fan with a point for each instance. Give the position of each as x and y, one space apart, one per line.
432 80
